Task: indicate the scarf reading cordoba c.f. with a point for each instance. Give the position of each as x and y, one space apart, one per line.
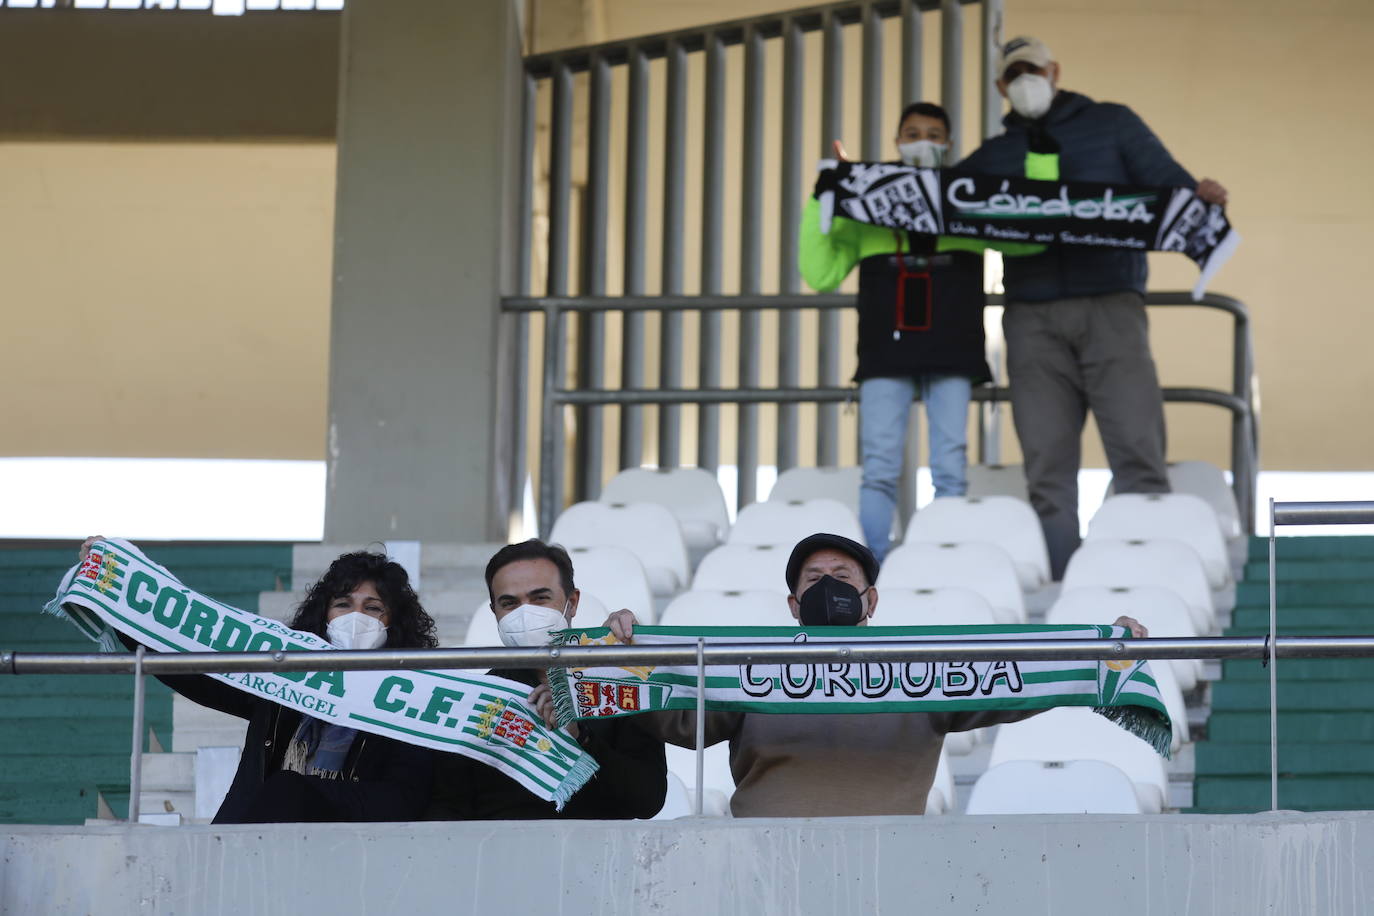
1123 691
953 203
486 718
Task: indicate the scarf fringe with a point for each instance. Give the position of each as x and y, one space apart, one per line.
582 770
1144 723
92 628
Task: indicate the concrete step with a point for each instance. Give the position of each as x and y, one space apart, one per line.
1325 547
196 726
1295 758
1294 696
1313 570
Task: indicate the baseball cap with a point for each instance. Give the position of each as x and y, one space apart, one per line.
821 541
1023 47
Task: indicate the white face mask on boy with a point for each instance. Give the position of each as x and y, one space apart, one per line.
528 625
925 154
355 630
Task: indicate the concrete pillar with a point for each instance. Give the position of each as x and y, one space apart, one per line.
429 112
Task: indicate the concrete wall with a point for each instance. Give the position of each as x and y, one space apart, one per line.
1140 866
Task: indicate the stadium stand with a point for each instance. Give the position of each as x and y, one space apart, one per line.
984 568
1208 482
1004 521
647 530
1053 787
927 607
1126 564
73 762
799 484
693 496
784 523
1325 727
998 480
744 567
1159 608
1171 516
727 609
616 577
718 781
1068 733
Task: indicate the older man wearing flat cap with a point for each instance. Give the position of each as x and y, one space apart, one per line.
832 765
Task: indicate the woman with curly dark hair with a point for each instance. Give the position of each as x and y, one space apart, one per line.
298 768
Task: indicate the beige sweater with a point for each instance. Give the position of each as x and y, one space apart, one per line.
797 765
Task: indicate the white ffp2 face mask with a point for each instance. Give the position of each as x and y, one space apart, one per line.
1030 95
528 626
355 630
924 154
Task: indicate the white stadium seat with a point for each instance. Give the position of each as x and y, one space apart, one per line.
786 523
800 484
931 607
693 495
1053 787
719 781
677 803
1127 564
1161 610
941 798
727 609
744 567
1172 516
482 627
1002 520
998 480
1208 482
1069 733
647 530
984 568
615 576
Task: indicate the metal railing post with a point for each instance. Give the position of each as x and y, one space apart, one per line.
701 725
591 331
712 219
632 374
674 177
911 52
136 756
952 70
832 128
751 254
789 276
1273 668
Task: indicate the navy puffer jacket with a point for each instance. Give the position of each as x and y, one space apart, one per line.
1098 141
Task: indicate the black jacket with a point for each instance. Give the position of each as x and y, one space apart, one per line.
922 314
1098 141
383 779
632 780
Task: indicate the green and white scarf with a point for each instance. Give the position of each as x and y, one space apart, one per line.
1121 690
486 718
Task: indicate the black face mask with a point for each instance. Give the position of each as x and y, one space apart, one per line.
831 603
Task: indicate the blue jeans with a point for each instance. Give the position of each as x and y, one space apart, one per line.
884 408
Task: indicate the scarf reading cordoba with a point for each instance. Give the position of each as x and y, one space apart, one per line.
963 205
475 715
1123 691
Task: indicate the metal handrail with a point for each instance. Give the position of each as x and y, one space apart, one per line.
1153 648
1239 401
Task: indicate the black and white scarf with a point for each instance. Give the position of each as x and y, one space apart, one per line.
964 205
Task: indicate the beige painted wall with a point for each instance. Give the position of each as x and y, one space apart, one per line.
165 300
175 297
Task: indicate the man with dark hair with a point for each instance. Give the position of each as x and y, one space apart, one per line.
826 765
531 590
1077 335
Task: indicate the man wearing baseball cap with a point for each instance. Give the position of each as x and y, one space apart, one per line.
1077 335
802 765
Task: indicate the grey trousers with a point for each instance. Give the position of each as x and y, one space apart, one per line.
1065 357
